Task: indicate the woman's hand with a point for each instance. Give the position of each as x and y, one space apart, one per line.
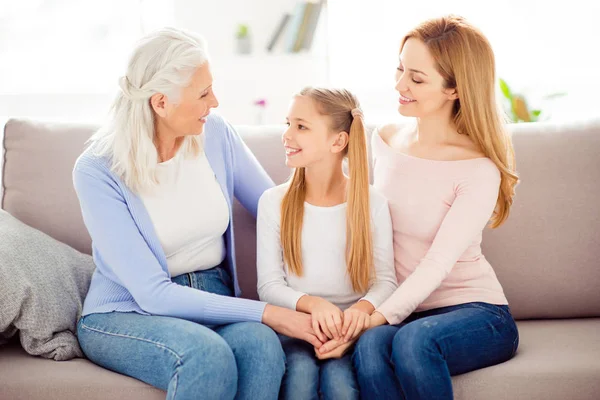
357 319
334 349
377 319
356 322
291 323
327 318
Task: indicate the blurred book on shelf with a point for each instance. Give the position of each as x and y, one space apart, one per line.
295 31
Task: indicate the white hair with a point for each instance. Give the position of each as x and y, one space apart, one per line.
162 62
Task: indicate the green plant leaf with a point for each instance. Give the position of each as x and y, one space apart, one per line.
536 113
505 89
242 30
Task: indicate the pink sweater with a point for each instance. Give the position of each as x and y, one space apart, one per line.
439 210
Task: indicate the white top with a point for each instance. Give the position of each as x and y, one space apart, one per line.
323 254
189 213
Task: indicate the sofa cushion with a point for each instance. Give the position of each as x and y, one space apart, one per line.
547 254
38 188
555 360
261 140
24 377
42 286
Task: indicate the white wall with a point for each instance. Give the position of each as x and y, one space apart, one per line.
239 79
60 59
242 79
541 48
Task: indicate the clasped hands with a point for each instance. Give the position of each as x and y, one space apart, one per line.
337 330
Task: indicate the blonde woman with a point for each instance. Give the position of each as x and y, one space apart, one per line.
445 178
156 188
325 242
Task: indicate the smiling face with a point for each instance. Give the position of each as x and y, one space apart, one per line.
188 115
309 140
421 87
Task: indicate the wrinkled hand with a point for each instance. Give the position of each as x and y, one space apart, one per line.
291 323
327 319
334 349
355 323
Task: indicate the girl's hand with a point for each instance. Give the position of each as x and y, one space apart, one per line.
355 322
334 349
327 318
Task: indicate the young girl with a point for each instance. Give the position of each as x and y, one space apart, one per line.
445 178
325 241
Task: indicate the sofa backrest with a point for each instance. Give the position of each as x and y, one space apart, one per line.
37 181
546 255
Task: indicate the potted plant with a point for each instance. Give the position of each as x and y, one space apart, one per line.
517 108
244 44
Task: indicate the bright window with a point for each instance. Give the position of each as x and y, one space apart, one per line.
71 46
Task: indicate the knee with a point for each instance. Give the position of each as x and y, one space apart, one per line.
211 369
338 380
301 361
339 390
301 379
260 343
372 341
412 346
371 353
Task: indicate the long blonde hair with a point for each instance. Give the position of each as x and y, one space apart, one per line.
162 62
466 61
337 106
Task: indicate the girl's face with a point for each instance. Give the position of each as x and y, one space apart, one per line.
309 140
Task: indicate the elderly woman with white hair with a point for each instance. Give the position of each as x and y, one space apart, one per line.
156 187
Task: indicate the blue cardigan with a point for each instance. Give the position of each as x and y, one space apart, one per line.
131 267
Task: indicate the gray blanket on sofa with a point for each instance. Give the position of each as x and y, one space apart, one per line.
42 286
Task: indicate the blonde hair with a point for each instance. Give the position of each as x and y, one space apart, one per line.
162 62
343 112
466 61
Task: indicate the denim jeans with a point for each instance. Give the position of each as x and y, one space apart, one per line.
308 378
188 360
415 359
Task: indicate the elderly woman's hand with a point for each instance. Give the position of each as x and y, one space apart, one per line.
291 323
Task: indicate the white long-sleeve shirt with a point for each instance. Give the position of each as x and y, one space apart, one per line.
189 213
323 254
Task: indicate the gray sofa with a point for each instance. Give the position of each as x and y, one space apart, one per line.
546 257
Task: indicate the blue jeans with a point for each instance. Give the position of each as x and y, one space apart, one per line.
308 378
414 360
188 360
